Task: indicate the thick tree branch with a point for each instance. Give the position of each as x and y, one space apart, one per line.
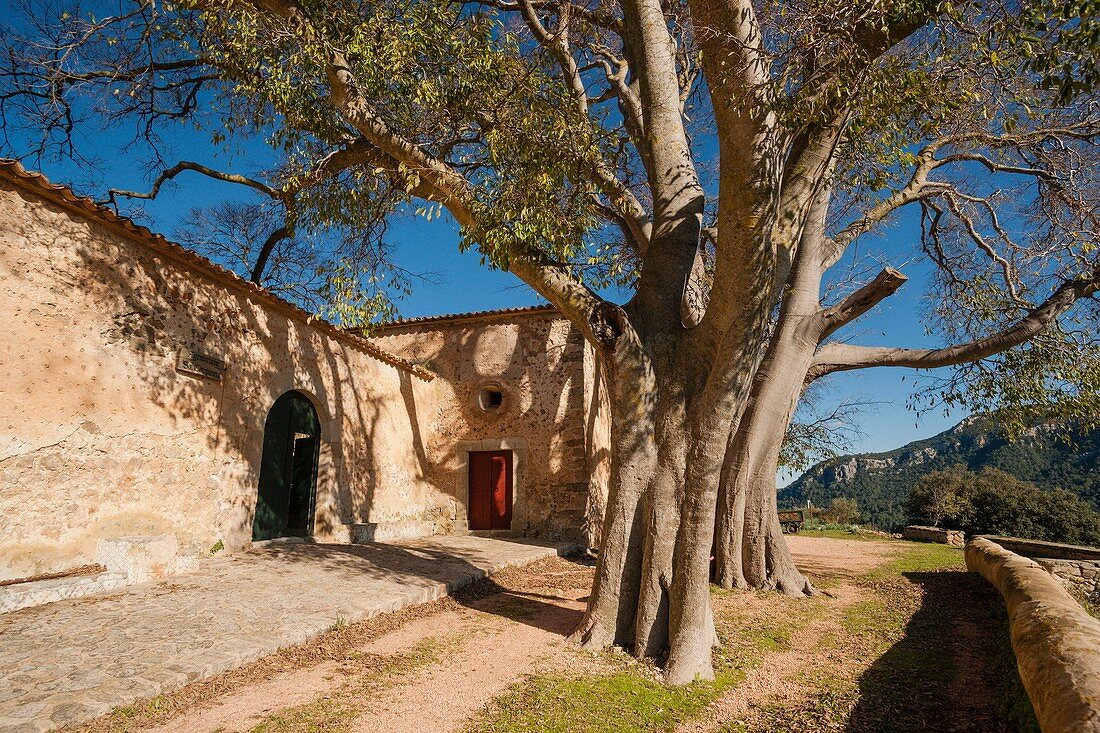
677 195
673 180
915 189
426 176
835 357
885 284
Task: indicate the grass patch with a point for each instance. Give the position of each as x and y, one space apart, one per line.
628 696
626 700
336 711
919 557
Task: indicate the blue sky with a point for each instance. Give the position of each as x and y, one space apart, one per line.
460 283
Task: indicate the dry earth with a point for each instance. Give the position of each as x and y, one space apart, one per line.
435 668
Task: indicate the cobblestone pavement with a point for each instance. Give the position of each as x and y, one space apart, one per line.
73 660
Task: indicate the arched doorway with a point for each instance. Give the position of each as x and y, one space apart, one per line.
288 469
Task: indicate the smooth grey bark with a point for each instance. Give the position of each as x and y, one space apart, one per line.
750 551
749 548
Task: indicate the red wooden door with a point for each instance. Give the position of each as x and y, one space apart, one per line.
490 504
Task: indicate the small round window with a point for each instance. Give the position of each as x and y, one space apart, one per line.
490 398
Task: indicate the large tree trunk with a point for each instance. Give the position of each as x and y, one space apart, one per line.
654 557
750 551
670 413
749 548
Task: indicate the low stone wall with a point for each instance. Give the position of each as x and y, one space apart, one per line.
917 533
1082 576
127 561
1036 549
1075 566
1057 644
39 592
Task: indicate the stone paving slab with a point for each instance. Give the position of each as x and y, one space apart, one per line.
73 660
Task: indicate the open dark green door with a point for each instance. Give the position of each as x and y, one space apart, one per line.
288 469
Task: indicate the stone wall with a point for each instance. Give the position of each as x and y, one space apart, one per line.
553 413
102 437
1056 643
1040 548
917 533
1076 567
1079 576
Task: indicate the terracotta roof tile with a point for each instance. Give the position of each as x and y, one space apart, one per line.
64 196
472 315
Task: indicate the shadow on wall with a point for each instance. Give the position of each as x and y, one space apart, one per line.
116 440
537 362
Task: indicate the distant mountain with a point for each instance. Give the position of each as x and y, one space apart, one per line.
880 482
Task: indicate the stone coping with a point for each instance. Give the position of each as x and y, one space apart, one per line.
1039 548
1056 642
38 592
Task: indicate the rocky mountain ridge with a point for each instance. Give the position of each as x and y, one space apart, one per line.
880 482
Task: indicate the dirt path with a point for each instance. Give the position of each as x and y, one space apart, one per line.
774 680
429 673
836 559
443 666
246 707
443 697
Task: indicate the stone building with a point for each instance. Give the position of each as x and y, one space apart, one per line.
152 396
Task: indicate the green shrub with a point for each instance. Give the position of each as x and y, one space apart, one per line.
994 502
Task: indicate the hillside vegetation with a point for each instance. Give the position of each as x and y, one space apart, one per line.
880 482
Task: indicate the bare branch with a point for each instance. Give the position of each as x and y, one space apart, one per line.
836 357
597 18
283 232
185 165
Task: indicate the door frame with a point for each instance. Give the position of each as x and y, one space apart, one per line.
463 448
291 395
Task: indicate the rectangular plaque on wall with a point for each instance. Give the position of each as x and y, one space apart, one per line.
203 365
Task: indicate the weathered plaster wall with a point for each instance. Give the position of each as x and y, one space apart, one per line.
101 437
552 416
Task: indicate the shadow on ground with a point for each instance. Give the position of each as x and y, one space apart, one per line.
414 564
553 609
952 671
